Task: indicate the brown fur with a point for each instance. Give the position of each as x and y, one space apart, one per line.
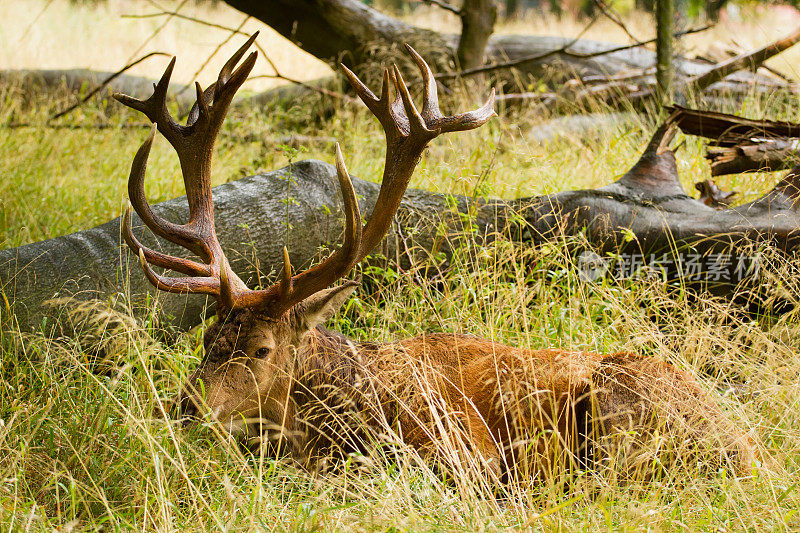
523 412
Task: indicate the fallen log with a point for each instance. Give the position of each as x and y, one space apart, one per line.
364 38
72 80
728 128
648 203
741 144
586 72
25 85
753 155
251 218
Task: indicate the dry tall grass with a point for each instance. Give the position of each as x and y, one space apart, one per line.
82 446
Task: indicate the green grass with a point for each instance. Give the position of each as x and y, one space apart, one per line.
80 445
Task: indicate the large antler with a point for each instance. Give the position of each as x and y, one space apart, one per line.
194 144
407 133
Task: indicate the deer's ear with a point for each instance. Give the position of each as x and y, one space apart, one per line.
319 307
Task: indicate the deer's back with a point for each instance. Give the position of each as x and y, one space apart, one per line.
520 408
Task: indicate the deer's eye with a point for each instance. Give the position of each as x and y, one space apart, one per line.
262 352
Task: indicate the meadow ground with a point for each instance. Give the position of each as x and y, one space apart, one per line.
81 447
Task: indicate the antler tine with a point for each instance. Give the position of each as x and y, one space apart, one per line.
164 228
381 107
155 107
430 107
364 92
286 276
416 124
353 229
189 285
430 91
212 104
225 72
200 107
178 264
430 103
471 119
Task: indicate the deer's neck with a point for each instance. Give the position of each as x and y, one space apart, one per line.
329 357
327 389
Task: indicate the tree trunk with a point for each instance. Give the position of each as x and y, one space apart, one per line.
665 15
648 202
512 10
477 25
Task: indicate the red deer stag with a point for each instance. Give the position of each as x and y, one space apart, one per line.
273 374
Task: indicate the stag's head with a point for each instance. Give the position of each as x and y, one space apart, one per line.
252 350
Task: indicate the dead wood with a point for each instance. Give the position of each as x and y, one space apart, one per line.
712 195
639 87
753 155
585 72
565 50
361 37
741 144
728 128
749 60
28 86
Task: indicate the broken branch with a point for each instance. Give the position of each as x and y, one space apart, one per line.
751 59
755 155
105 83
444 5
741 144
563 50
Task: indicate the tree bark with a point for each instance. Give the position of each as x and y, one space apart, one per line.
648 202
477 25
665 14
759 156
344 31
